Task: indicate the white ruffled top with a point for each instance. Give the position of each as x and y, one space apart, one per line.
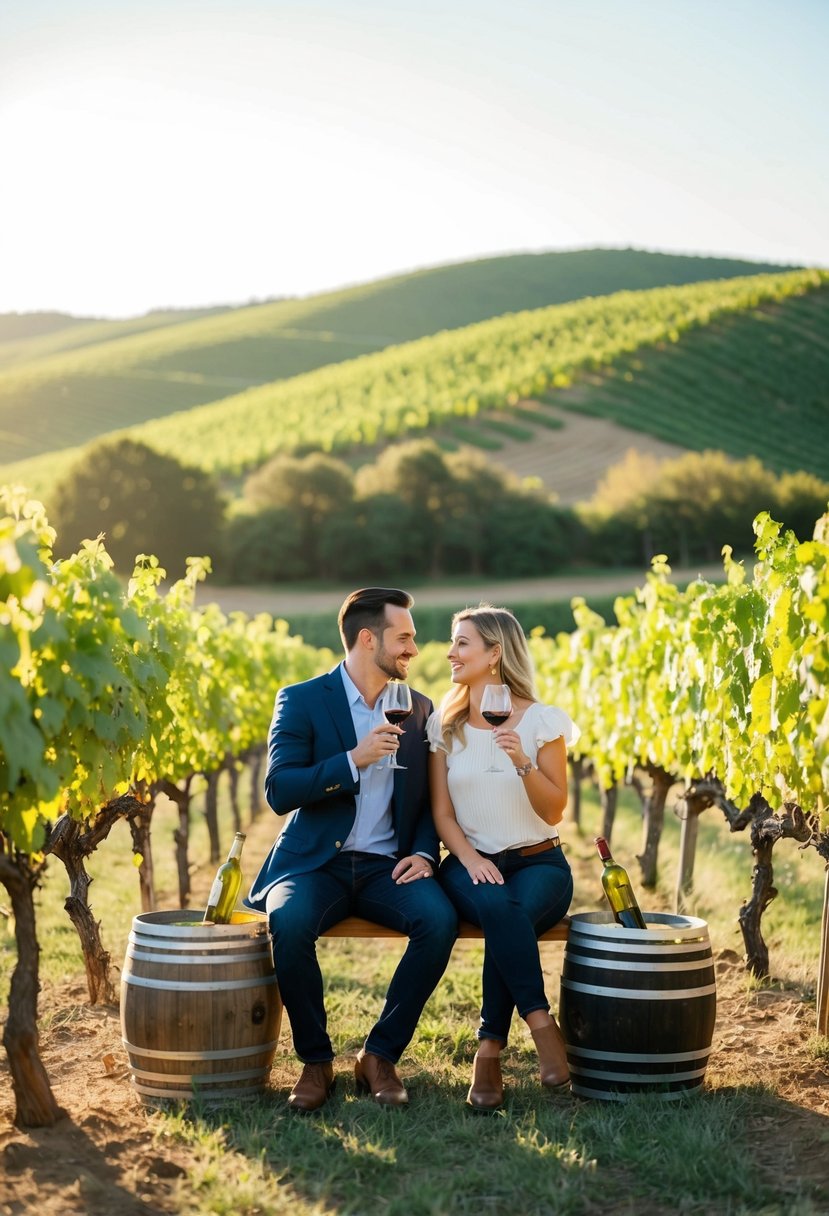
493 809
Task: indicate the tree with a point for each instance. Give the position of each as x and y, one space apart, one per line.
692 506
266 547
143 501
381 539
530 537
316 489
416 472
801 499
480 492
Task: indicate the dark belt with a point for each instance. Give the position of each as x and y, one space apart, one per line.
532 849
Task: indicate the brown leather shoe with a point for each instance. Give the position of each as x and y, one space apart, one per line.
378 1077
487 1089
552 1057
314 1087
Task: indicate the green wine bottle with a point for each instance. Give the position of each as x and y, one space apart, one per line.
226 884
618 890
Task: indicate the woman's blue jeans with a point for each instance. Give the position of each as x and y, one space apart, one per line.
535 896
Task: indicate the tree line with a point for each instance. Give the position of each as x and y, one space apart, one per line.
417 510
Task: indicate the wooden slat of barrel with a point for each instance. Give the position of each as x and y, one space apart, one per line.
200 1009
637 1006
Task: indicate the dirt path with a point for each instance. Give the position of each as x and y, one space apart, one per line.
281 602
571 462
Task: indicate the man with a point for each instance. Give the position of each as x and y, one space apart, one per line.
360 841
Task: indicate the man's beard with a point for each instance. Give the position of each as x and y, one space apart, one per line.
389 666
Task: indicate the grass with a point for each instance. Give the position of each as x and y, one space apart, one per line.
435 1159
541 1154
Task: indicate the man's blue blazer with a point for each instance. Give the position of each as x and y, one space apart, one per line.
309 776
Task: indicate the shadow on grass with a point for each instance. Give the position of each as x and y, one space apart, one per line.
732 1151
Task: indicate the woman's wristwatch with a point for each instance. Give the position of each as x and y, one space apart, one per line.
523 769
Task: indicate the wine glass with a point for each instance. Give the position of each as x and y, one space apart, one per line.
496 707
397 705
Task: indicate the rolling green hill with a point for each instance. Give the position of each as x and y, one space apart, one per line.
63 388
27 337
753 381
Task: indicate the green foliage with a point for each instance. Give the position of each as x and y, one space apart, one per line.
144 502
456 513
694 505
728 679
433 511
264 547
104 688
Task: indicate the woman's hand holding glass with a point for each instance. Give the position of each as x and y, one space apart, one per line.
496 707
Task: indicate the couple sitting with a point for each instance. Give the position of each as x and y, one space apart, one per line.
363 839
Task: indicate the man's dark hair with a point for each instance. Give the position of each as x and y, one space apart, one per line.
366 609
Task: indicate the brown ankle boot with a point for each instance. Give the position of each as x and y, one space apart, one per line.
314 1087
487 1089
552 1057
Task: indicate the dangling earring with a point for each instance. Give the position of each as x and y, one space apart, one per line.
493 671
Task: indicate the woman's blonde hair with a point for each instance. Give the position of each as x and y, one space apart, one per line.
497 627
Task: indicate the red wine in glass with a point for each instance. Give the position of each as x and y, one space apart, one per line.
397 705
496 707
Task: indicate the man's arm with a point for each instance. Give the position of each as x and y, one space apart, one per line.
294 777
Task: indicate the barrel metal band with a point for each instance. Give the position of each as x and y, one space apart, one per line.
625 965
196 985
168 949
612 1095
653 1078
640 994
622 947
196 960
636 1057
249 1074
203 1095
230 1053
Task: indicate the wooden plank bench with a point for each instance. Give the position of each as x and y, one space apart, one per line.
356 926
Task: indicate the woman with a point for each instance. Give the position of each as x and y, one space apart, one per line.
506 871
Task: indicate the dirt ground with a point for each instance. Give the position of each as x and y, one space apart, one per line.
105 1157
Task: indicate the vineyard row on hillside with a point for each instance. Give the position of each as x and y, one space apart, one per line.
430 382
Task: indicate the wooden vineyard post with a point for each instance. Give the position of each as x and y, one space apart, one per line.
687 855
823 965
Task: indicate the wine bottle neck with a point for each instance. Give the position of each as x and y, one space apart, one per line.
236 847
604 849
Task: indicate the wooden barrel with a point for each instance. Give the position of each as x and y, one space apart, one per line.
637 1006
200 1009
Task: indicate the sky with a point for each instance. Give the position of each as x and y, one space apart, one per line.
161 153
